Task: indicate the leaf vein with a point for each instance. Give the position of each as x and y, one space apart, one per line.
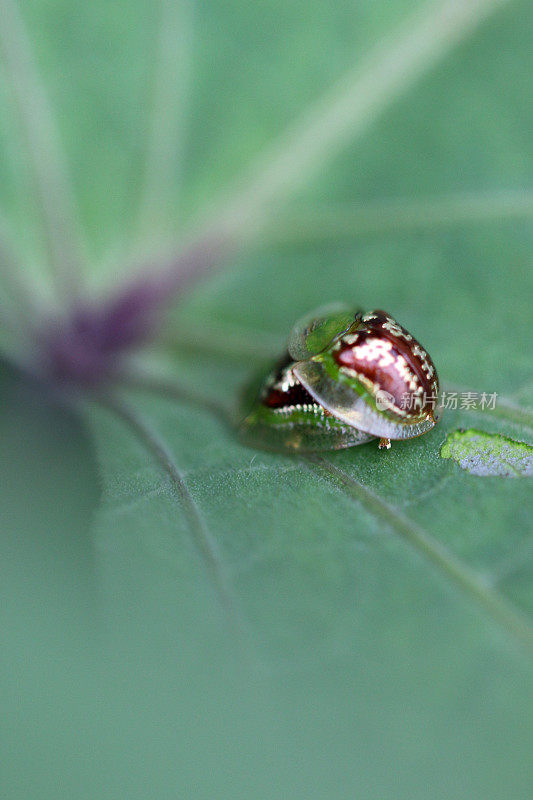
496 606
205 542
344 111
50 174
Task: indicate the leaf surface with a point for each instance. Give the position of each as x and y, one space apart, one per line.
272 626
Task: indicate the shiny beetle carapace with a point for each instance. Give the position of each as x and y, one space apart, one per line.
347 377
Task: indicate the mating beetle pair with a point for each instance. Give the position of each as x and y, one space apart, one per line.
347 378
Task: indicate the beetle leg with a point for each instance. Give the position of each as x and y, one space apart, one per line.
384 444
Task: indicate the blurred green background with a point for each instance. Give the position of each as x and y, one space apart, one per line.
295 642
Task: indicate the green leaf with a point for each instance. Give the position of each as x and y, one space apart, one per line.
240 624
